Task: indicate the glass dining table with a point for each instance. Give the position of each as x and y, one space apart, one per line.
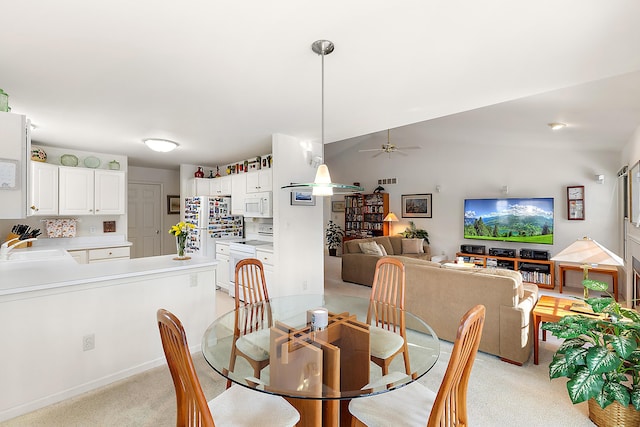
317 367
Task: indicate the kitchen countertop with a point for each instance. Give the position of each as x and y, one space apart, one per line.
21 277
82 243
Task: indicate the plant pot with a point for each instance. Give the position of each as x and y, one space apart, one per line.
333 252
613 415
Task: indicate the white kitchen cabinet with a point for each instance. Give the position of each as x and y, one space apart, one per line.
43 189
91 256
76 191
14 144
212 186
267 259
222 272
259 181
88 192
109 192
238 192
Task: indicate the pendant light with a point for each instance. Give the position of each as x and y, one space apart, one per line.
322 185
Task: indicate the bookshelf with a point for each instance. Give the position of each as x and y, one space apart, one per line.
538 272
364 215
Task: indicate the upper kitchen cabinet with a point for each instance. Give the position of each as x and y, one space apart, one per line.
238 191
43 189
212 186
14 145
259 181
91 192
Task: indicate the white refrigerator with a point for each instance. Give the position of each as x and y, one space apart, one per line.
213 221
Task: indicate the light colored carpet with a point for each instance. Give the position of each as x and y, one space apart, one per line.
500 394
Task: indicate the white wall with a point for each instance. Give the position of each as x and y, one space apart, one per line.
298 230
170 183
467 171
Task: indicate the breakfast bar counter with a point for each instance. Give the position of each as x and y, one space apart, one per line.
69 327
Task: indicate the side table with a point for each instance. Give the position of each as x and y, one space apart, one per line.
548 309
612 271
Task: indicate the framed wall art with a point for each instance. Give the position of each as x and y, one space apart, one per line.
416 206
302 198
337 206
173 205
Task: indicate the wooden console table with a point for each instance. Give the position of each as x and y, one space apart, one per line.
611 271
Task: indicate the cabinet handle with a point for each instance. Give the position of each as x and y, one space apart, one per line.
110 253
33 208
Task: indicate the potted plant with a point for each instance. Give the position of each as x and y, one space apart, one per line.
412 232
600 355
334 236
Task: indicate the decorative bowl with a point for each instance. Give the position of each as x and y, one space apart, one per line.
92 162
38 155
68 160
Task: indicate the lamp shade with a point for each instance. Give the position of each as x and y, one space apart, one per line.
391 217
588 251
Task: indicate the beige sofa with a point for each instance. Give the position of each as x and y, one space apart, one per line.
440 296
358 267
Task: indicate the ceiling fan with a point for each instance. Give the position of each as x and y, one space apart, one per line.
390 148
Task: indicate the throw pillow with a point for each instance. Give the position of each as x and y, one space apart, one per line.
370 248
412 246
383 250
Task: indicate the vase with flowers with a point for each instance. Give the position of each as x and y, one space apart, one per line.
181 231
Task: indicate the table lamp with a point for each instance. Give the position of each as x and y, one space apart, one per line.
589 254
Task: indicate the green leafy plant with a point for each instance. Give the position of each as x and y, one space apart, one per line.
334 235
412 232
600 355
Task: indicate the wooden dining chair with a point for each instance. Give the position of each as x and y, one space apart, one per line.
416 405
253 317
236 406
386 314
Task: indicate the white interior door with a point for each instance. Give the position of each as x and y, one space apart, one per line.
144 218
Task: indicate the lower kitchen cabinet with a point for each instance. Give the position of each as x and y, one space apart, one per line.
91 256
222 273
266 257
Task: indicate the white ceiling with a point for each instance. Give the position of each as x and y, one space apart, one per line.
221 77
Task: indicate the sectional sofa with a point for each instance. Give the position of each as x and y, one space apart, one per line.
440 296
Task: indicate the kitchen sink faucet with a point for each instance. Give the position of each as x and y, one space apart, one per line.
6 249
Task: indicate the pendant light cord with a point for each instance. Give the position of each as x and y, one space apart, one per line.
322 103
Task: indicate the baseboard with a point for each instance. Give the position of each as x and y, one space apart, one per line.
27 407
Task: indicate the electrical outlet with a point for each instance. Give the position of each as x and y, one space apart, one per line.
304 285
88 342
92 229
193 280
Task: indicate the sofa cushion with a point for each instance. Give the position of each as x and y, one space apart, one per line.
412 246
353 246
370 248
386 242
506 273
382 249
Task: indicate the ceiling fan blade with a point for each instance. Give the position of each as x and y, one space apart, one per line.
376 155
410 148
371 149
401 152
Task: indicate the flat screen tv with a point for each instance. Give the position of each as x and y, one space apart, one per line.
509 220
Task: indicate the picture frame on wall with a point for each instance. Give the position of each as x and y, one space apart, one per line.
337 206
416 205
302 198
173 205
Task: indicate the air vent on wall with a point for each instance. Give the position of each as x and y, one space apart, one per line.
387 181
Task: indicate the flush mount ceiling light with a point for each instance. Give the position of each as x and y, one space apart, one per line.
556 125
322 185
160 145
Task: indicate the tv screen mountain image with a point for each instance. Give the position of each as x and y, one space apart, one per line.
509 220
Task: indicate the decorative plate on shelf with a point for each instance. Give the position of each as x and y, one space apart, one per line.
92 162
38 155
68 160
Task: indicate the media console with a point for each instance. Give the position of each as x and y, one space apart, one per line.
536 271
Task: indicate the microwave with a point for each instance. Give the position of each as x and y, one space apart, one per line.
258 205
